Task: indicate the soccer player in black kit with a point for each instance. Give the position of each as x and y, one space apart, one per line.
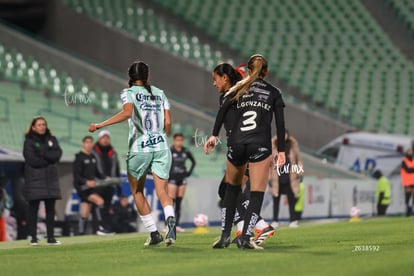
256 102
225 76
177 181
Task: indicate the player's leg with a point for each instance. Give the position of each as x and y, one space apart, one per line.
137 167
99 209
259 172
180 195
85 211
291 203
144 210
233 180
172 189
160 167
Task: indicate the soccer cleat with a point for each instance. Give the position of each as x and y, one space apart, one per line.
53 241
223 242
263 234
103 232
34 242
238 233
154 239
249 244
171 235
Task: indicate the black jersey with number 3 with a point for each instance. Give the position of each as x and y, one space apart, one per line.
255 111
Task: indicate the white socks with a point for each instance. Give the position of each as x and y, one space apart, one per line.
169 211
240 225
149 223
261 224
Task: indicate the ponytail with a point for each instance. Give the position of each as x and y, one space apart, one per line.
258 68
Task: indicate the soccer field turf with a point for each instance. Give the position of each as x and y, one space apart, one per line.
329 249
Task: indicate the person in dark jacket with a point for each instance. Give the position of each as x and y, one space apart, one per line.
124 216
108 166
41 153
85 176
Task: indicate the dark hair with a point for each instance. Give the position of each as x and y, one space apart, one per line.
178 135
29 131
226 69
257 65
88 137
140 71
377 174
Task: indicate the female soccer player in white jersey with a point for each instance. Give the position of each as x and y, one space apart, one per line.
148 112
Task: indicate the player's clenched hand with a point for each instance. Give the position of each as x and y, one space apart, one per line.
210 144
280 159
92 127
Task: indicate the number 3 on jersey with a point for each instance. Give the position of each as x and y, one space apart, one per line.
249 123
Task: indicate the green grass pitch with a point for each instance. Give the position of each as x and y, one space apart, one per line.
370 247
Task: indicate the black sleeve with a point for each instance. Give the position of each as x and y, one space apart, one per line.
53 153
221 115
77 172
32 156
381 197
405 168
193 162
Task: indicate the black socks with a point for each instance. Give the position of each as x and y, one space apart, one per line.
229 209
252 214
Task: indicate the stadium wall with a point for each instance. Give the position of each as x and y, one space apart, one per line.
116 49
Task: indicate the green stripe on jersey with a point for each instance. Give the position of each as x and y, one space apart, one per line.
146 125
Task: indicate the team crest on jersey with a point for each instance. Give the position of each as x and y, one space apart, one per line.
152 141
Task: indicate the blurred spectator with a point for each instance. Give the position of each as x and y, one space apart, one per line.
41 153
85 174
177 181
285 180
124 216
5 203
108 166
20 208
383 193
407 179
300 202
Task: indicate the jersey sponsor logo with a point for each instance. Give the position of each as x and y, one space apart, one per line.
150 107
86 161
263 97
253 104
152 141
247 96
259 90
141 97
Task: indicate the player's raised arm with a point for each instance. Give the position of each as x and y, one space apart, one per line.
123 115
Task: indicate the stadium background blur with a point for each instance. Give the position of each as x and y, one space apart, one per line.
342 66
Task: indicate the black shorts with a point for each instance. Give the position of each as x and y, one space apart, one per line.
177 181
241 154
85 194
